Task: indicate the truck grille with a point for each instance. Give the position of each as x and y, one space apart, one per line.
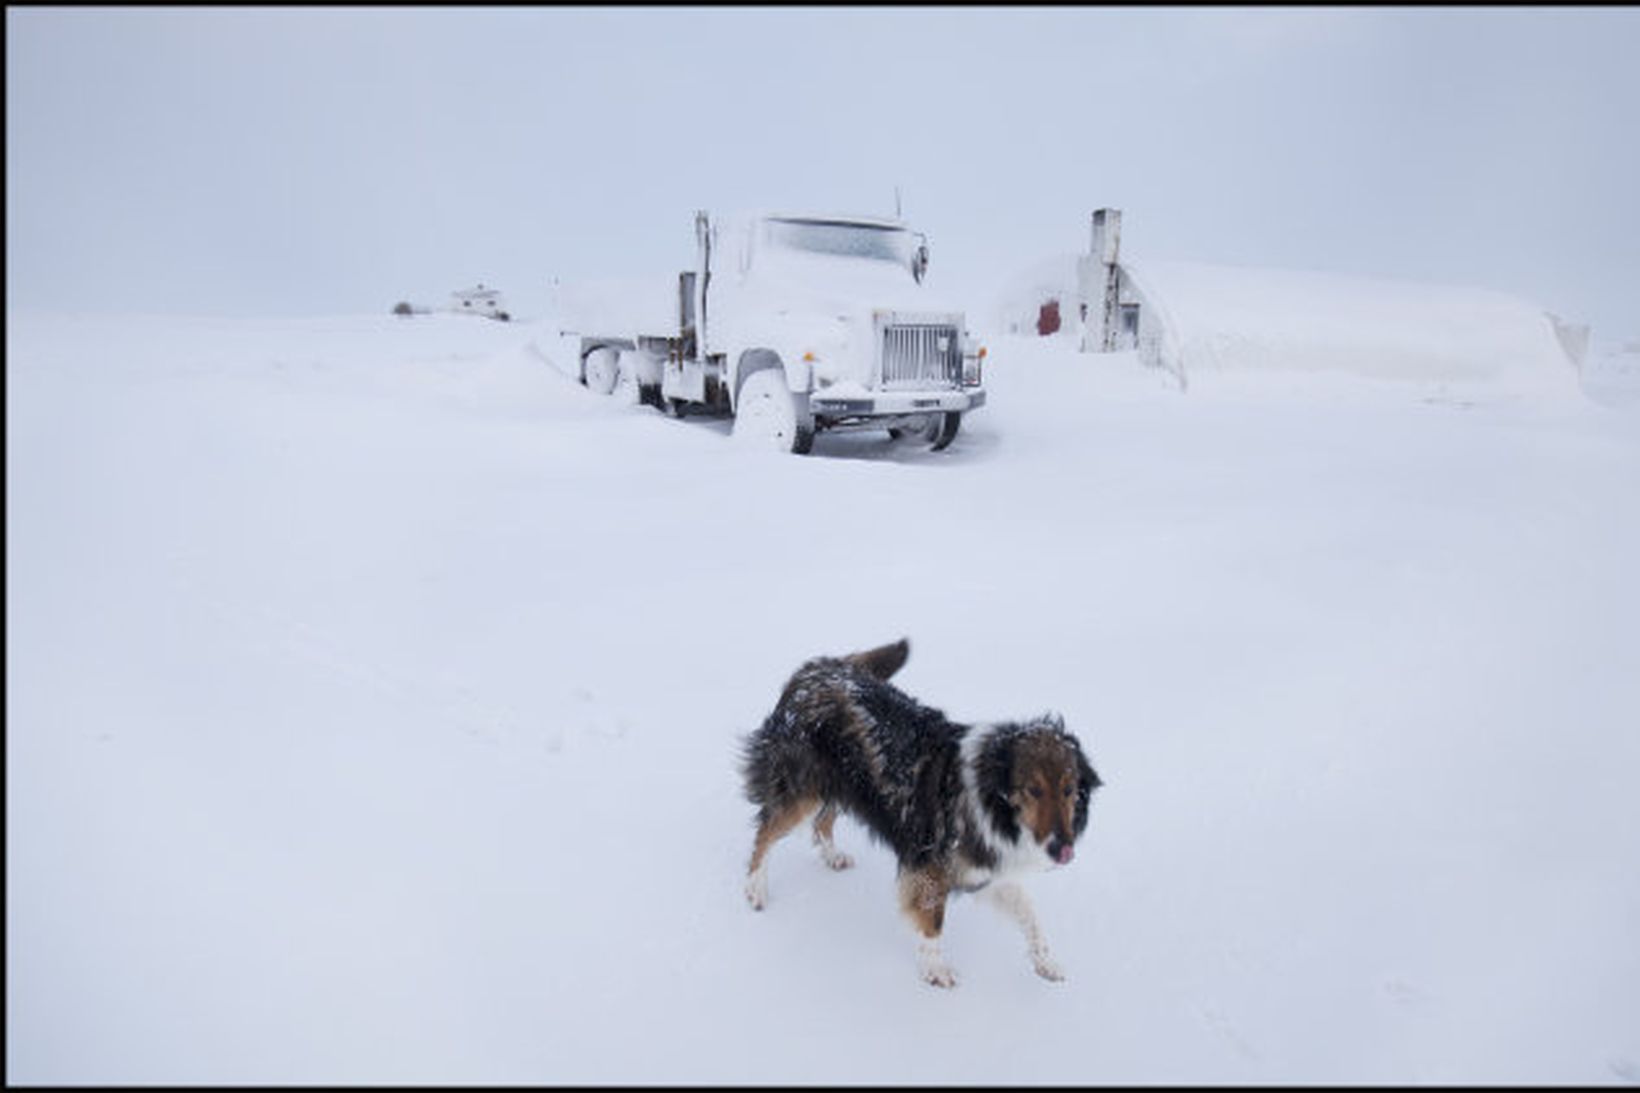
921 355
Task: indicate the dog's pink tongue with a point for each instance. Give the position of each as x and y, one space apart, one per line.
1066 853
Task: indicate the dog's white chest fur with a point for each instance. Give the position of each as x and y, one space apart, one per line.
1014 856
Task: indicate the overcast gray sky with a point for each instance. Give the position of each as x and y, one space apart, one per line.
311 161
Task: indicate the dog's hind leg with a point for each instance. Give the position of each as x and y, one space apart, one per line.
922 897
774 826
1012 901
823 821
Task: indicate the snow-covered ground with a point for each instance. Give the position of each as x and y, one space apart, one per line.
374 694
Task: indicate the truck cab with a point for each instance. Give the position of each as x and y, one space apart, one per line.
819 322
794 324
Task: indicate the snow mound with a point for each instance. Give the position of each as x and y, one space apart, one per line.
1220 319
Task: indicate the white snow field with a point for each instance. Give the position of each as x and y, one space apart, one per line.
374 695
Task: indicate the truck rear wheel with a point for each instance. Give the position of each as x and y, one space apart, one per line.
768 416
601 369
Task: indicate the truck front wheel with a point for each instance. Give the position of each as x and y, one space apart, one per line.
937 432
768 415
943 430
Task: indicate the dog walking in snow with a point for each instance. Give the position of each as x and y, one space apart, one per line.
964 808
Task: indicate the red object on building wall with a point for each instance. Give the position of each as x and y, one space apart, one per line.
1047 320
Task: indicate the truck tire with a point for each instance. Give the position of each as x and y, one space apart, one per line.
943 430
627 390
768 416
601 369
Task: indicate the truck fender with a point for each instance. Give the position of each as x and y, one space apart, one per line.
756 360
591 345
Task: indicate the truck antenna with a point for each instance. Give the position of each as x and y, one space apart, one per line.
896 202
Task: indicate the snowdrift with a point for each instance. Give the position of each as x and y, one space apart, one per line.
1221 319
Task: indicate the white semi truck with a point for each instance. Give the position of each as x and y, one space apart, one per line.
794 325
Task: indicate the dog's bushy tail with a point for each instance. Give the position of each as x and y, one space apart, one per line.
885 660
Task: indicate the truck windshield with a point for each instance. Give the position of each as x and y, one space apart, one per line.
854 240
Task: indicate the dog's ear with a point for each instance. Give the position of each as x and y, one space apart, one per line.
1087 780
1085 773
884 661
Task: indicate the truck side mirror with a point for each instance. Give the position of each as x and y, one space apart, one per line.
919 262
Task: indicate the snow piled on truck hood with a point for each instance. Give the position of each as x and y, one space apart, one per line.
836 286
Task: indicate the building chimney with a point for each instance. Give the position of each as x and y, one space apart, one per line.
1099 282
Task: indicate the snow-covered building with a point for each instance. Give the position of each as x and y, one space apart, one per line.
1194 318
478 301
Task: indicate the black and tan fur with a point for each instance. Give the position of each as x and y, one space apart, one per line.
964 808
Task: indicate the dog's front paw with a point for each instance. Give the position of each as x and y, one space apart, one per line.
933 967
836 859
757 891
1046 968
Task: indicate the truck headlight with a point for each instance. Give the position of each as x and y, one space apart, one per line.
973 363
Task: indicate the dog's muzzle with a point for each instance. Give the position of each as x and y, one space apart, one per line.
1060 850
